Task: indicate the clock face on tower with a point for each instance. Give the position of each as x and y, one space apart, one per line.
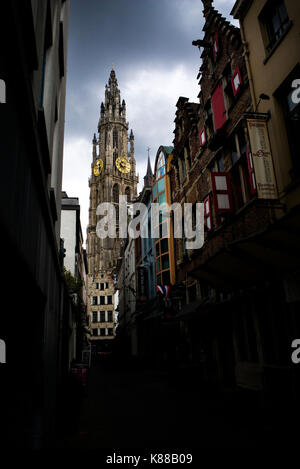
123 164
98 167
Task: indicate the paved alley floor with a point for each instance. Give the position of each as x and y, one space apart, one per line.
148 409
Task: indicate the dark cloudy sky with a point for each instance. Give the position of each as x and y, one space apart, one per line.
149 43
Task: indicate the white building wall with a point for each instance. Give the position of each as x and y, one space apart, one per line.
68 234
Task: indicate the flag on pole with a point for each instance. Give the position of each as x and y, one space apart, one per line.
164 290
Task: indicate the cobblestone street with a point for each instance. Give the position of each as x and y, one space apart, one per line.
149 409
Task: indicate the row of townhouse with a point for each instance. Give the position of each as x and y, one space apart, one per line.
229 310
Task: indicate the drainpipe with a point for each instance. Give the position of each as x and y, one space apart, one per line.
248 66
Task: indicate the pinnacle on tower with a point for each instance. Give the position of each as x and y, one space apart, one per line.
207 4
112 79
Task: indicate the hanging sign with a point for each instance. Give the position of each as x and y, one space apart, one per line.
262 159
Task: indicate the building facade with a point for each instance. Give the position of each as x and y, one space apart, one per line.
270 32
113 174
75 265
161 195
33 68
237 317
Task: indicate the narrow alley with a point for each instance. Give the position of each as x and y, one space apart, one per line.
150 226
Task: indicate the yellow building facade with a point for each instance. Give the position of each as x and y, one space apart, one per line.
270 32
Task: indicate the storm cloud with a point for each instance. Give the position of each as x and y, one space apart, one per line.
149 44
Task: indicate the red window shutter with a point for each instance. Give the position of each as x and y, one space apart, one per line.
203 137
207 214
236 81
216 47
222 192
251 172
218 106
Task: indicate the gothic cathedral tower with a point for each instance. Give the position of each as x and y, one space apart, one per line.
113 174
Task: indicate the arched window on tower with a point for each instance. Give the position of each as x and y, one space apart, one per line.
116 193
127 193
115 138
114 159
116 199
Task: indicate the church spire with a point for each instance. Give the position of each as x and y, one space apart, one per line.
148 178
113 107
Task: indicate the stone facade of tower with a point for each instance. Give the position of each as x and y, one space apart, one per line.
112 150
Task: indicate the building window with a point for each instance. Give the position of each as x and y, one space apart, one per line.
101 286
236 81
242 141
95 332
102 316
95 316
218 106
161 166
127 193
94 300
115 138
161 225
218 165
288 96
238 186
221 192
216 47
242 171
102 300
110 331
275 21
203 137
102 331
109 300
115 156
109 316
207 214
116 194
233 150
